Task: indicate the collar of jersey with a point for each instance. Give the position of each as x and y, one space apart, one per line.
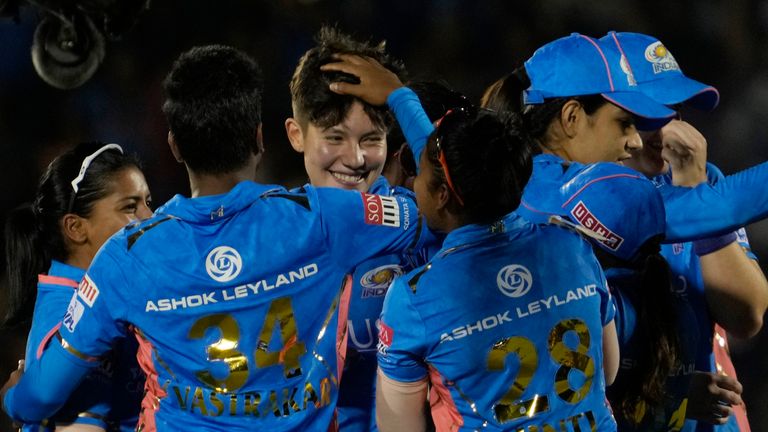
213 207
473 233
59 269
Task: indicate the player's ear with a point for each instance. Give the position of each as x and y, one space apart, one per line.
295 134
73 228
174 148
259 140
570 115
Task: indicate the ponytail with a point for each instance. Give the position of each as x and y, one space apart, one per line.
657 321
25 258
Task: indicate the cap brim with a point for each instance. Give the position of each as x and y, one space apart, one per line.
679 89
649 115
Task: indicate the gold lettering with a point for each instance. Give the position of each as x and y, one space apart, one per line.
233 404
252 402
218 404
310 395
325 392
199 402
273 406
182 402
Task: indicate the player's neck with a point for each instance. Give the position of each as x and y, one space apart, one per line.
202 184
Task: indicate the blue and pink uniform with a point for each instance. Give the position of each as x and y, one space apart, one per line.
236 300
506 322
712 355
110 395
369 284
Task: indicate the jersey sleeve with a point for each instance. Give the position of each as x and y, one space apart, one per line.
361 225
46 384
401 349
413 120
708 210
90 326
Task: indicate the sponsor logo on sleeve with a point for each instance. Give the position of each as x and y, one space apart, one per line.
514 280
223 264
585 217
74 313
88 292
386 334
741 236
381 210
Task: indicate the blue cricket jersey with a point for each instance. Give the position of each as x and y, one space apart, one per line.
686 268
110 395
369 283
236 300
692 213
506 322
670 416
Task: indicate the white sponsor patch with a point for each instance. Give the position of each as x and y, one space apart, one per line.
74 313
88 292
514 280
223 264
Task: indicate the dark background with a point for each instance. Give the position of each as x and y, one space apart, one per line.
467 43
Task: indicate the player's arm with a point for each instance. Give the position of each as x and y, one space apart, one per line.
360 225
47 384
378 85
735 287
401 387
711 210
611 357
400 406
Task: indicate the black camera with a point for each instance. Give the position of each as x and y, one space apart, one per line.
69 43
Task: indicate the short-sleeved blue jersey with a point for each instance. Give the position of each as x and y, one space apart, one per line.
506 321
625 287
369 283
236 299
686 268
110 395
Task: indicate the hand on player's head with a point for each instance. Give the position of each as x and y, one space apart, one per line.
376 81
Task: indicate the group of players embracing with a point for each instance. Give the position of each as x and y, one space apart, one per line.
559 257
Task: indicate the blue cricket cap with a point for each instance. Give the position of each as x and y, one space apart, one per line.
657 73
618 204
578 65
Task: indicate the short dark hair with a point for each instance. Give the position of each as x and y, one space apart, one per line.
311 98
489 157
213 107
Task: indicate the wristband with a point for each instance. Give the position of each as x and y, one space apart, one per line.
709 245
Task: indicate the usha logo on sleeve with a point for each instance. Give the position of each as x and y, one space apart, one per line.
589 221
223 264
514 280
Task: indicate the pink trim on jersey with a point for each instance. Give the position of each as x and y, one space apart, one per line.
594 181
153 392
444 412
44 343
56 280
528 206
605 61
724 366
342 330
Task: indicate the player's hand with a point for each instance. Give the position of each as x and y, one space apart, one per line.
685 148
13 379
711 396
376 81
